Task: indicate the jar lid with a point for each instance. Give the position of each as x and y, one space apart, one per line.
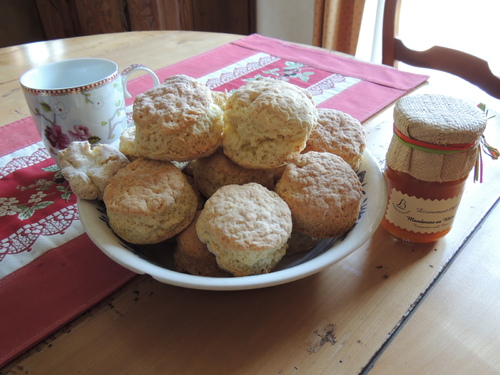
427 129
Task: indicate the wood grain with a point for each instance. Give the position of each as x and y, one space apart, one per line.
59 18
69 18
465 302
207 16
20 23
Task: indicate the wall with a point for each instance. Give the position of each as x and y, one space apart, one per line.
293 20
290 20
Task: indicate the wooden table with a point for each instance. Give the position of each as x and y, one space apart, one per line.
388 308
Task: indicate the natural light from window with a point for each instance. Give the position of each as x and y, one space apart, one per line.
471 26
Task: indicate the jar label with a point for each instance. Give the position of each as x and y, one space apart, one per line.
421 215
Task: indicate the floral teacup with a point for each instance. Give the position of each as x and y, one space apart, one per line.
78 100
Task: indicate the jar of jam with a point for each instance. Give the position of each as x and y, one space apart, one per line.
434 147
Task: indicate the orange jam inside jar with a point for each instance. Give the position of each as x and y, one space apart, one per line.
420 227
434 147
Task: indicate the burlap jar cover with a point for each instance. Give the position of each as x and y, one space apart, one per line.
436 137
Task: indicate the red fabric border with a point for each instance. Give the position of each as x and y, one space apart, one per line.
33 304
19 134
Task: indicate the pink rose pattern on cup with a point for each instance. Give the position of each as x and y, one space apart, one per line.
56 137
80 133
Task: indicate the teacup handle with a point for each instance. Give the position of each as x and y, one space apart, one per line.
133 68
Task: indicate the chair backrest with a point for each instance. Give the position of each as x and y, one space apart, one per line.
471 68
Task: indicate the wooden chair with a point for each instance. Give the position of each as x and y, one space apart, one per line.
469 67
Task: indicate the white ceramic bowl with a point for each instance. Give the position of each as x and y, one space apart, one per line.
159 263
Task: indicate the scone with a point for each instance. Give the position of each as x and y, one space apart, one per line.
149 201
200 198
339 133
192 256
177 120
217 170
88 169
127 144
128 147
220 98
246 227
300 242
267 122
323 193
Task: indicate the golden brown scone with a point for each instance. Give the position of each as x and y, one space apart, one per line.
339 133
300 242
246 227
88 169
177 120
127 144
128 147
220 98
199 195
278 172
267 122
149 201
217 170
192 256
323 193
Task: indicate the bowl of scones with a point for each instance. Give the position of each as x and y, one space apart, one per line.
228 191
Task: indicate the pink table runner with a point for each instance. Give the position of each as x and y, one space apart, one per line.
50 271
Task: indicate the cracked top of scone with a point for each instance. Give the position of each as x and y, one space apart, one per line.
149 201
323 193
247 227
246 217
267 123
339 133
177 120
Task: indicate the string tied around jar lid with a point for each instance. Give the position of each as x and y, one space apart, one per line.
452 149
487 148
444 150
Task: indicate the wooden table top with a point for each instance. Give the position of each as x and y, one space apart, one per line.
388 308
